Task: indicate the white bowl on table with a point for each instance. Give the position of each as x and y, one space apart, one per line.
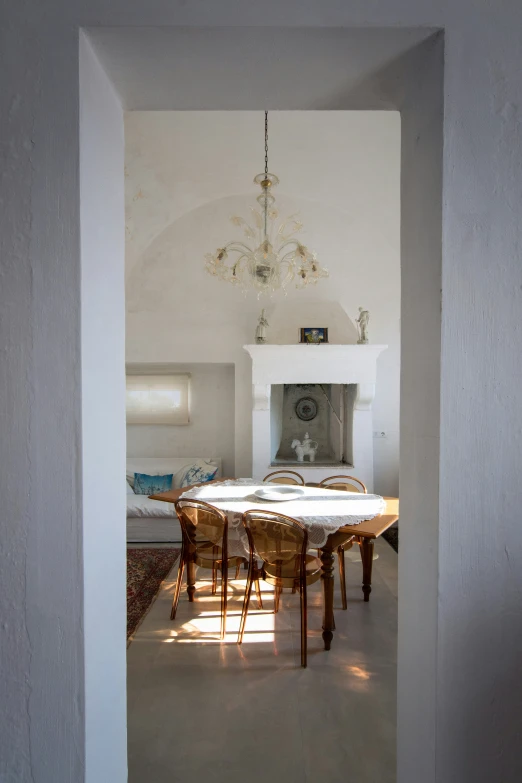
279 493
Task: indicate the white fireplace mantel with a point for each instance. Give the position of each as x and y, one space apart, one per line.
325 364
314 363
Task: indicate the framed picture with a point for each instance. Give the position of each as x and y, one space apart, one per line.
314 335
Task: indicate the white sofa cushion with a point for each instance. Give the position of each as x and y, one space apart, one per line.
142 506
160 466
195 473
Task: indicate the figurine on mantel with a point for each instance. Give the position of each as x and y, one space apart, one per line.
261 329
308 446
362 323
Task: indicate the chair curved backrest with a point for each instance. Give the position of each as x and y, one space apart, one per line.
276 539
281 543
205 530
202 524
344 483
285 477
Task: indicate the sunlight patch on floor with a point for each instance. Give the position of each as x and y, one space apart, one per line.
205 625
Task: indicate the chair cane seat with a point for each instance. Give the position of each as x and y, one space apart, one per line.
283 573
211 559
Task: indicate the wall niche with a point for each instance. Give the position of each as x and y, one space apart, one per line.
323 410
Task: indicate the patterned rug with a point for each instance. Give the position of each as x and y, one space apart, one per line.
146 570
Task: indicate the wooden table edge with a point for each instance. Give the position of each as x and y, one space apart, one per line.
373 528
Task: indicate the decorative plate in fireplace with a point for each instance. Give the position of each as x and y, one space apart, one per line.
306 408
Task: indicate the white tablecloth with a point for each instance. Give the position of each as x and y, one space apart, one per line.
323 511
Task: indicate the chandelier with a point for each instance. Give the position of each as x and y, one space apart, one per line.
270 257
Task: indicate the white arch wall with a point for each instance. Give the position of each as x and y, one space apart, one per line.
187 172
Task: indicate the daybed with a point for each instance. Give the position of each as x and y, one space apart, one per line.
151 521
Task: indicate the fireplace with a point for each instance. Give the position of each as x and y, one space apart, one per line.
322 393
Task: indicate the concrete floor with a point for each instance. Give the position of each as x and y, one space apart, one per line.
201 710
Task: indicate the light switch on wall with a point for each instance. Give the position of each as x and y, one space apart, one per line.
379 434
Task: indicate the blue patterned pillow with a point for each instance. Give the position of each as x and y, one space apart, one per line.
197 473
151 485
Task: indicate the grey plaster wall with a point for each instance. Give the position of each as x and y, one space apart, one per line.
211 429
332 439
459 667
294 428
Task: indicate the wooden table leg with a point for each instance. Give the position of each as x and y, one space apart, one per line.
327 577
367 563
191 579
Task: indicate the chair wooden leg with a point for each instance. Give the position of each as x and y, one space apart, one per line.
277 594
258 594
191 577
246 602
342 576
304 624
367 563
214 571
238 567
177 588
224 596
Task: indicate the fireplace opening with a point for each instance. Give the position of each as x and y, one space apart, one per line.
312 424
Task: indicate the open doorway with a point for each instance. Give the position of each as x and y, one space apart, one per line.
186 174
419 320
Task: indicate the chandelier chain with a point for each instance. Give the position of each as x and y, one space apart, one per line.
266 144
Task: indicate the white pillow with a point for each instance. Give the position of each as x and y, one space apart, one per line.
196 473
130 490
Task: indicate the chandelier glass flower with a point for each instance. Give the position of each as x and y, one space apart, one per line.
270 257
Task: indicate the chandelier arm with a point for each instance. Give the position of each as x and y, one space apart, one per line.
238 247
282 228
288 242
237 264
285 260
290 269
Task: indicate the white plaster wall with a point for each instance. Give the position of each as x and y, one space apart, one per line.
103 420
42 704
473 699
188 172
211 429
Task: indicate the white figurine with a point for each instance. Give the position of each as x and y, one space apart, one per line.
261 328
308 446
362 321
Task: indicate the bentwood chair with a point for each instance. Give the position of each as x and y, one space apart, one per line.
281 543
345 484
204 543
285 477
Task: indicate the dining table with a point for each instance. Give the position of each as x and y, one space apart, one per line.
332 518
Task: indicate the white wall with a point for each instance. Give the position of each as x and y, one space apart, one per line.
103 418
188 172
472 698
211 429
